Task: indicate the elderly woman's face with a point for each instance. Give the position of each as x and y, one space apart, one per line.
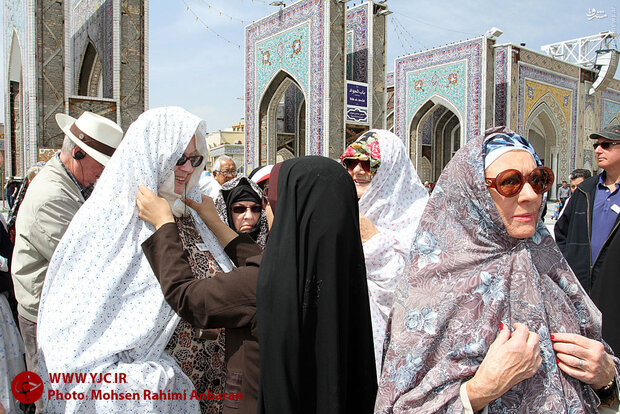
359 170
245 215
183 172
519 213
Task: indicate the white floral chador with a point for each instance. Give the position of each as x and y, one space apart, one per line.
394 202
102 309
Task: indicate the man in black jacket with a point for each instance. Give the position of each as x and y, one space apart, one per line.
588 233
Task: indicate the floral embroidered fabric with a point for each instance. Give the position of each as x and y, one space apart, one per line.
394 202
466 277
102 309
199 353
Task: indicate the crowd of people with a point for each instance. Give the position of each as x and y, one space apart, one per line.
312 285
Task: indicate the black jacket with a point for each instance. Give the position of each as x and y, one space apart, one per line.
600 279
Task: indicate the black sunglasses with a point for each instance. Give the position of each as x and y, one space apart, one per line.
510 182
604 145
195 160
242 209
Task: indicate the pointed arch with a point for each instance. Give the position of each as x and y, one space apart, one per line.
273 102
90 81
547 128
430 158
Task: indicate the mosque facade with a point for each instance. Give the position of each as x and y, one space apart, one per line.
434 100
67 57
447 95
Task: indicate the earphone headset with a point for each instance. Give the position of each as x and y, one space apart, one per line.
79 155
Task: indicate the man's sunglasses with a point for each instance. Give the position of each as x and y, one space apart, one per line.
605 145
351 163
242 209
195 160
509 183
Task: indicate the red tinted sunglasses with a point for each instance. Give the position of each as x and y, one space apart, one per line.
509 183
351 163
242 209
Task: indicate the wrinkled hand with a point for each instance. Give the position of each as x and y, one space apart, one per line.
511 358
367 228
584 359
153 209
206 209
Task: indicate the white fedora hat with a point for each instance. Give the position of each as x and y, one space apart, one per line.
96 135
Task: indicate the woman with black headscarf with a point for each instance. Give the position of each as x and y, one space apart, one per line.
315 333
240 206
314 329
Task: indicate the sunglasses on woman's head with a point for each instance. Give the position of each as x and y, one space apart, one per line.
195 160
509 183
242 209
605 145
351 163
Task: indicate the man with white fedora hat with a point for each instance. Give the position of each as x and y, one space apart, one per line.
52 199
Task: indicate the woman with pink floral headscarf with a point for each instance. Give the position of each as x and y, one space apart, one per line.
391 201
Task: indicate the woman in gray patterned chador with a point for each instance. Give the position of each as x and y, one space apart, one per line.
490 315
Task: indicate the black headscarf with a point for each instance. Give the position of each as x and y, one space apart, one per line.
241 191
315 333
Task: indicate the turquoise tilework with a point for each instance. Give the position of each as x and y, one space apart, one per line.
287 50
448 81
610 109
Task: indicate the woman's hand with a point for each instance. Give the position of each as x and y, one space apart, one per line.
206 209
584 359
367 229
511 358
153 209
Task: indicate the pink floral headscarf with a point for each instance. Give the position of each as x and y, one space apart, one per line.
365 148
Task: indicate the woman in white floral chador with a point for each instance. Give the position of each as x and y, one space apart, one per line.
102 309
391 202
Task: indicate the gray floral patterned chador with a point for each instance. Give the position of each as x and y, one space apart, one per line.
467 276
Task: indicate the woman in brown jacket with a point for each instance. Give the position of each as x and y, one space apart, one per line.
226 300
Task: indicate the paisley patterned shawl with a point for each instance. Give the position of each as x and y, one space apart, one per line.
466 276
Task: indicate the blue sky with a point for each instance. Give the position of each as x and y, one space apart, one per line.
191 67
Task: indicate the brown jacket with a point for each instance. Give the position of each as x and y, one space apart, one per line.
226 300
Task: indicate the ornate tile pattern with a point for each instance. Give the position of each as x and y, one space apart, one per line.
288 51
501 84
309 14
610 103
356 45
447 81
469 81
565 95
81 11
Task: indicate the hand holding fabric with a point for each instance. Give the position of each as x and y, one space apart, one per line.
584 359
511 359
208 213
153 209
205 209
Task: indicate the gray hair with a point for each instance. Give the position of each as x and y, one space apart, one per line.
580 173
217 164
67 145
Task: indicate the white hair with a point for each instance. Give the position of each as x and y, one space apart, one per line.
217 166
67 145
